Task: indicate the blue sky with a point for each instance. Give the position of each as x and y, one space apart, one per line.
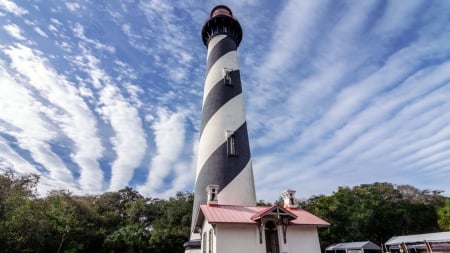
98 95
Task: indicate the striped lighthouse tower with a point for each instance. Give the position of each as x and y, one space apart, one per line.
223 152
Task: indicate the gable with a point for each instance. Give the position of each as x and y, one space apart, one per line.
273 212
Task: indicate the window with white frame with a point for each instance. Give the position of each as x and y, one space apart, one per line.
227 77
231 144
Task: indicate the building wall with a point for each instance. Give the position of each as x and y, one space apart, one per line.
300 239
205 244
232 238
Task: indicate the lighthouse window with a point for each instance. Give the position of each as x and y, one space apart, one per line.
231 145
227 77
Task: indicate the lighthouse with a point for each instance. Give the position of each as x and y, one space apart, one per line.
225 218
223 153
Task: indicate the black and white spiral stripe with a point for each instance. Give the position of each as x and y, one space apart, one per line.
223 115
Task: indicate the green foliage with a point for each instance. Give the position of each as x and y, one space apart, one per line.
375 212
125 221
20 216
443 213
72 222
263 203
171 228
122 221
130 238
167 240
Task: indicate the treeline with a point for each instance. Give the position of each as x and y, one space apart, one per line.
378 211
122 221
125 221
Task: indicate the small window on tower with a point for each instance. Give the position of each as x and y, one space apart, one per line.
231 144
227 77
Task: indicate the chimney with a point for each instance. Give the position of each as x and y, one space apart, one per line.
212 191
289 199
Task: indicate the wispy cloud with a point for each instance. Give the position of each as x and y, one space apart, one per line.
11 159
169 132
40 32
171 53
97 96
14 31
78 29
12 7
28 125
61 102
129 139
344 105
73 6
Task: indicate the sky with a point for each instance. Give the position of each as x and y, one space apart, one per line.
99 95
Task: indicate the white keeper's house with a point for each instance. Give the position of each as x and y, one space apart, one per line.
264 229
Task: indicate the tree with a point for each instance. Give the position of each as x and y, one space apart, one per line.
21 223
171 227
374 212
61 222
72 222
443 213
130 238
263 203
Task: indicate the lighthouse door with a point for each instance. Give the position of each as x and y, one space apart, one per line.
271 233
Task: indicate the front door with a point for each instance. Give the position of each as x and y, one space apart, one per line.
271 232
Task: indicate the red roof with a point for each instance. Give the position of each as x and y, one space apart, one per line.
247 214
273 210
